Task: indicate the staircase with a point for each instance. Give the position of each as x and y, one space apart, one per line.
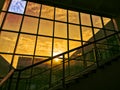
106 77
75 71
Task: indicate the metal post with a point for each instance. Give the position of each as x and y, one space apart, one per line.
63 81
18 79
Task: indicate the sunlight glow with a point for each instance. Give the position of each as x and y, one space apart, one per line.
57 60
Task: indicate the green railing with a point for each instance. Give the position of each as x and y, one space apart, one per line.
47 74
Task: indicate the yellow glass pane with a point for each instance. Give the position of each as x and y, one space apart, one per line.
97 21
26 44
7 41
12 22
44 46
32 9
86 33
47 12
46 27
74 44
85 19
59 46
2 14
73 17
30 25
60 30
74 32
61 14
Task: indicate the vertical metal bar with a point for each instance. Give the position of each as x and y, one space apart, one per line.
5 15
116 28
18 79
68 42
63 80
83 56
95 46
105 33
50 82
18 37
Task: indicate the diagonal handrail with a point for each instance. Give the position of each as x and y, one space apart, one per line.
7 77
117 32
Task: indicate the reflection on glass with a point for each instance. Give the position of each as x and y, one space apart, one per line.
59 46
46 27
61 14
85 19
73 17
47 12
7 41
2 14
30 25
23 61
12 23
97 21
6 5
26 44
60 30
32 9
44 46
86 33
74 32
17 6
108 24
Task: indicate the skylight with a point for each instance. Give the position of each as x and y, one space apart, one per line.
17 6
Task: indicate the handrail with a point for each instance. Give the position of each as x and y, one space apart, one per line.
67 52
6 77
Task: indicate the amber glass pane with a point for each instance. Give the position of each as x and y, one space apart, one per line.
47 12
12 22
2 14
73 17
30 25
85 19
59 46
86 33
60 30
74 32
44 46
74 44
25 44
97 21
6 5
7 41
61 14
33 9
46 27
108 24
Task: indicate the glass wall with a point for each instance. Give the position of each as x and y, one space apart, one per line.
34 30
32 33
